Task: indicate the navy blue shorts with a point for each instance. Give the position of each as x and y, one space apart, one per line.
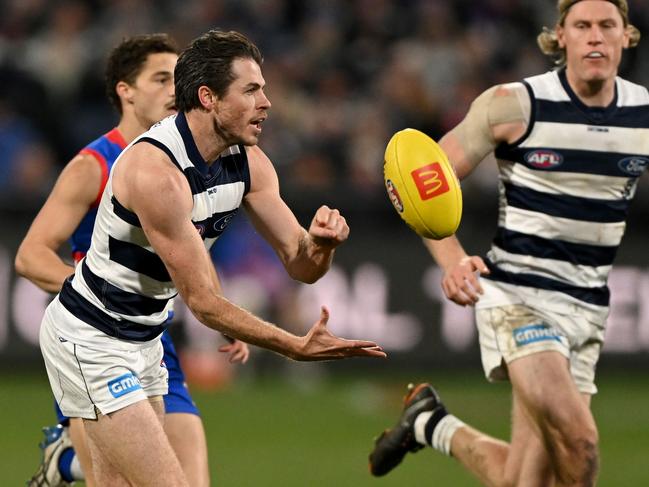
177 400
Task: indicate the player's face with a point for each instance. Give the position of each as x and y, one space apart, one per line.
153 93
593 35
242 110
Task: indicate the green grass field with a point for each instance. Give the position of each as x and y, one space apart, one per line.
281 432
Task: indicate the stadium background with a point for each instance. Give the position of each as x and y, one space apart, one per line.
342 77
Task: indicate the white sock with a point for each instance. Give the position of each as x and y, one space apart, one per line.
420 427
75 469
443 433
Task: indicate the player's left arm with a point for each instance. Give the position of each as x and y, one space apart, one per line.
306 255
75 190
500 114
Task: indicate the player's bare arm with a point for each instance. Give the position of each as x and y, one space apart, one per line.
500 114
306 255
161 198
75 191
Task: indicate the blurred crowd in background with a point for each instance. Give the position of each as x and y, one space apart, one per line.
342 75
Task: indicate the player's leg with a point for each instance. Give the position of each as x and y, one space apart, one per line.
183 423
528 463
423 422
426 422
59 461
546 390
187 438
522 462
484 456
129 447
115 382
56 454
491 460
78 437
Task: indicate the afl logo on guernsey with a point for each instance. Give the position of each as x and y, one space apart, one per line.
633 166
543 159
394 195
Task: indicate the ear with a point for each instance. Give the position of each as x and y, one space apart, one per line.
207 97
627 37
125 92
561 36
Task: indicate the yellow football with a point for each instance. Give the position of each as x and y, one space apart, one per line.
422 184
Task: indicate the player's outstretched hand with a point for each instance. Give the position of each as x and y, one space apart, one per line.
321 344
238 350
460 282
328 227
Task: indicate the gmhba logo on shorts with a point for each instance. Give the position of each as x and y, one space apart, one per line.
535 333
124 384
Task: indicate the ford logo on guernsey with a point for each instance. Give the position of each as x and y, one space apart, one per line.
222 223
543 159
633 166
124 384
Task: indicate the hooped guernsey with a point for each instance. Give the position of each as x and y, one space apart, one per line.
121 293
565 189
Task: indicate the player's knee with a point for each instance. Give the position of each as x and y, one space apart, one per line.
581 464
575 451
584 445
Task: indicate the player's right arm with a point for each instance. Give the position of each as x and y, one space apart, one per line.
147 183
500 114
74 192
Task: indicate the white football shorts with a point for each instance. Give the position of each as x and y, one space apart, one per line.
85 379
514 331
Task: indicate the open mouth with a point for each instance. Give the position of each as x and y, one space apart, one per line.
595 55
257 122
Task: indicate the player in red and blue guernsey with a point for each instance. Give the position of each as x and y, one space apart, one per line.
139 77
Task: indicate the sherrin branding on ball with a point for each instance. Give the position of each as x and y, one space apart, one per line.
422 185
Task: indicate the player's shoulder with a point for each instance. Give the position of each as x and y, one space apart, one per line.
143 156
163 130
514 94
144 171
631 94
262 172
84 166
547 86
514 88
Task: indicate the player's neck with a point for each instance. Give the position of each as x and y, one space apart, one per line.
595 93
130 128
209 144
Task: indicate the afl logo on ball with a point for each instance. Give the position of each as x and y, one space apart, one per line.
394 195
543 159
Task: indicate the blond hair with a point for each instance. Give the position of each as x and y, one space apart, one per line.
549 43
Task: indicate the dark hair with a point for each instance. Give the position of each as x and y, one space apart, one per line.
207 61
126 60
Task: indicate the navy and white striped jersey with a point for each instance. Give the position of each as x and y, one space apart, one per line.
122 288
565 189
